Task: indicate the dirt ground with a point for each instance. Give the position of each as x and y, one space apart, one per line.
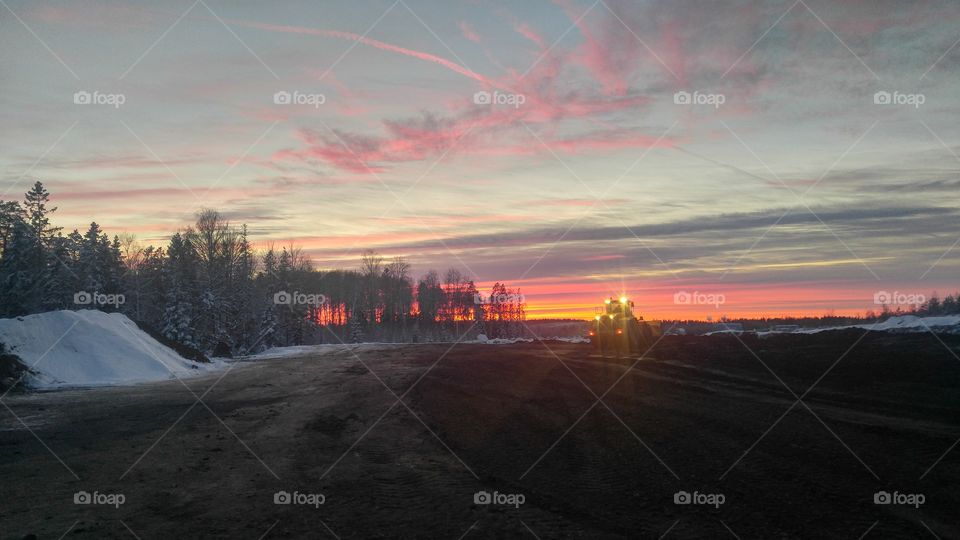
713 417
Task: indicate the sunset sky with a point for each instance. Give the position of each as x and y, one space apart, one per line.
789 189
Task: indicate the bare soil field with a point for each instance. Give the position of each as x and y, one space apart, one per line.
786 437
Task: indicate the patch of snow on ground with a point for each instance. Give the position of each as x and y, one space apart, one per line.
902 323
294 351
507 341
574 339
91 348
312 350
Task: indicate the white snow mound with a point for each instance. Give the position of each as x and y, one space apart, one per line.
915 323
903 323
91 348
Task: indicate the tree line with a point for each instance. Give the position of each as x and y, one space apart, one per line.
930 307
208 288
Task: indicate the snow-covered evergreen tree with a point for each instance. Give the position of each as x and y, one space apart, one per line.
180 312
356 329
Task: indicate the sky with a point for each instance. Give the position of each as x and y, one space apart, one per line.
705 158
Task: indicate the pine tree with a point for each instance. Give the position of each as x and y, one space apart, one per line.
479 318
951 305
10 215
19 282
38 253
37 213
356 329
243 319
180 311
61 280
268 328
92 260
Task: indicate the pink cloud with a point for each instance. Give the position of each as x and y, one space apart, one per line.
523 29
427 57
526 31
609 53
468 32
411 141
429 136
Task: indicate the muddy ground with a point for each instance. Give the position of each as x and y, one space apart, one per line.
714 417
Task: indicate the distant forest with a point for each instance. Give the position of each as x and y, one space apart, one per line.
210 289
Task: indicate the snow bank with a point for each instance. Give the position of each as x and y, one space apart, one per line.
912 322
91 348
903 323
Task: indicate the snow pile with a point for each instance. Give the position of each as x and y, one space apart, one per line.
912 322
902 323
91 348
